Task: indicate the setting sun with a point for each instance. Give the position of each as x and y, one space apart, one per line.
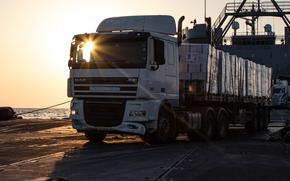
87 49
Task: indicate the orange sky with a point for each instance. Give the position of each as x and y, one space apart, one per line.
35 38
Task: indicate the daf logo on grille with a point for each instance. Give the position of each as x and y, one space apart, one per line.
134 80
80 79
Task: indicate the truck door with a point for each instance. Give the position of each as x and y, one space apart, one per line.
171 69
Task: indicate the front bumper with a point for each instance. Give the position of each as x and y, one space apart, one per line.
136 114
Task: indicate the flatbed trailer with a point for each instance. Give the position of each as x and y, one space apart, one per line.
219 112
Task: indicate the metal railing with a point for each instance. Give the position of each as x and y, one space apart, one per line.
220 17
257 33
228 40
266 6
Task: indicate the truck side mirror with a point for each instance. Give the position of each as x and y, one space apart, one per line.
72 55
159 52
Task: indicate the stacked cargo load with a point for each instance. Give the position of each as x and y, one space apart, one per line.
198 62
214 72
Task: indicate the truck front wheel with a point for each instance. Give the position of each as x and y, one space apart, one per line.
166 129
94 136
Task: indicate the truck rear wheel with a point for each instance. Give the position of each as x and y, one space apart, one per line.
94 136
222 124
166 128
195 135
208 124
266 119
252 124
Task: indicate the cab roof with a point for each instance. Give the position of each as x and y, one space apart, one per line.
163 24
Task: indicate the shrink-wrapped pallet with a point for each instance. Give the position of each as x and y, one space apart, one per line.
269 92
264 80
242 79
236 75
251 78
212 70
222 72
258 81
199 62
232 75
229 76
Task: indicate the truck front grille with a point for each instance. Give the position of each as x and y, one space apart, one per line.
105 87
104 114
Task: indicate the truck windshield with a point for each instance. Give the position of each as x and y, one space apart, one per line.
110 51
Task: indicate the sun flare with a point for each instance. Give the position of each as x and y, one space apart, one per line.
87 49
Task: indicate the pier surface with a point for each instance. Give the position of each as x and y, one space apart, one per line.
52 150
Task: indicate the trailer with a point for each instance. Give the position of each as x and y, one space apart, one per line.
226 88
134 75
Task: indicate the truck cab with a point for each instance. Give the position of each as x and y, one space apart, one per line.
121 75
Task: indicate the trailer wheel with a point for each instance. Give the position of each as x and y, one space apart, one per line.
263 119
252 124
94 136
222 125
266 120
166 128
208 124
195 135
260 119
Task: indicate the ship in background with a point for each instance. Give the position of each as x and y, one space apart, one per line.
261 47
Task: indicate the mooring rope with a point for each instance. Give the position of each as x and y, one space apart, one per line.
37 110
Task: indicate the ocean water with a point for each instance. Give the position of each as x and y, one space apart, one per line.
54 113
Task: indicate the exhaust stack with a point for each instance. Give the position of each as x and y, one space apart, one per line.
179 33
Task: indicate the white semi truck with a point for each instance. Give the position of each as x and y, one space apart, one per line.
128 78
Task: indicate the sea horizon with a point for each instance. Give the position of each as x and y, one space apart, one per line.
38 113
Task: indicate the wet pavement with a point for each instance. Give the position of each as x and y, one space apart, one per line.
52 150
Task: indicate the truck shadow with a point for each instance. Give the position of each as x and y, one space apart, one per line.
97 161
116 156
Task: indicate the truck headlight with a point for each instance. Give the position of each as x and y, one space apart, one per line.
74 112
137 113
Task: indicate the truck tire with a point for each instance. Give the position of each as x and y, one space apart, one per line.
222 124
94 136
263 119
207 125
266 119
166 128
251 125
195 136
